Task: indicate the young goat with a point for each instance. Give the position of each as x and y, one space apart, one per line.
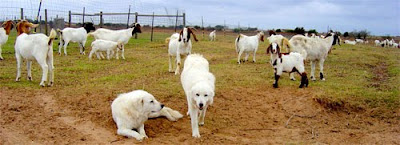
78 35
213 35
37 47
180 44
248 44
350 42
4 32
280 40
313 49
107 46
117 35
292 62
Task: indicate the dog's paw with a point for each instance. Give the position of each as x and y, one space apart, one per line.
196 135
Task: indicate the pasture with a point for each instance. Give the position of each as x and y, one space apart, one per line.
357 104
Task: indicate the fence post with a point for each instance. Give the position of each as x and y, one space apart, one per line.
83 16
40 24
202 27
224 29
129 13
176 20
152 27
69 18
45 21
136 20
22 13
101 19
184 20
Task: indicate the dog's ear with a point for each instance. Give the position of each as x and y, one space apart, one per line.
212 97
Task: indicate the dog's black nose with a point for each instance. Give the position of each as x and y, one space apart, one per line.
162 105
201 105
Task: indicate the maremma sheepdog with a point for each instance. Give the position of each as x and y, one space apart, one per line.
199 86
131 110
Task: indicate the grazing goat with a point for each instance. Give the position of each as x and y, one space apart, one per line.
359 41
180 45
4 32
117 35
350 42
289 62
377 42
395 45
247 44
37 47
213 35
313 49
78 35
107 46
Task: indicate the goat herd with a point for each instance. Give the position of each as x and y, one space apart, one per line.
131 110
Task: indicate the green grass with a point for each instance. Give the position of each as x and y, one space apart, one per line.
349 72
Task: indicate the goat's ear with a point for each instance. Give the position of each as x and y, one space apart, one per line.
262 38
191 32
269 49
279 51
180 36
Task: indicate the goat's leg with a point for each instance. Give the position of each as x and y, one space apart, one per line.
321 69
312 70
123 52
91 54
60 46
239 55
108 54
117 55
65 47
178 63
1 57
291 74
45 70
304 80
170 63
278 73
51 69
19 61
82 48
254 56
28 68
247 57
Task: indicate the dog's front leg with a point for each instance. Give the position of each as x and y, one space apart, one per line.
202 115
195 122
129 133
142 132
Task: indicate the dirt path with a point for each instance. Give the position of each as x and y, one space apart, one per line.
240 115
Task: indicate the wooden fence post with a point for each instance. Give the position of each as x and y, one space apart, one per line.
69 19
152 27
176 20
101 19
83 16
45 21
136 20
129 13
22 13
184 20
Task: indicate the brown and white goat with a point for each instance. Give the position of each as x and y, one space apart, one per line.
4 32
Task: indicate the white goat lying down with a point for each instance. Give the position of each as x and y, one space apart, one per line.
131 110
350 42
78 35
117 35
180 45
37 47
107 46
213 35
4 32
313 49
248 44
288 62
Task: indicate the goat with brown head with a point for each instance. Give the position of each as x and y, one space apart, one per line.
185 35
25 27
8 25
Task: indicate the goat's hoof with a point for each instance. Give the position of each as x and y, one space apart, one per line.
254 61
323 79
201 123
275 85
50 84
30 78
1 58
18 79
42 84
293 79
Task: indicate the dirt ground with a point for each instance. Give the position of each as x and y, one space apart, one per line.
251 116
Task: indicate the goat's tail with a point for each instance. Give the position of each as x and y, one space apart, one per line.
52 35
167 40
285 42
237 43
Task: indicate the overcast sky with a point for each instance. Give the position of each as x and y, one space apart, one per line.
380 17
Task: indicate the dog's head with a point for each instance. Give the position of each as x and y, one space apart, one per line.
150 104
202 95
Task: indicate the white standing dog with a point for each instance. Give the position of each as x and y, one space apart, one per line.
199 86
131 110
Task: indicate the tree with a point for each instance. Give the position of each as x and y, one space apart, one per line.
278 30
363 34
299 30
346 34
197 27
312 31
219 27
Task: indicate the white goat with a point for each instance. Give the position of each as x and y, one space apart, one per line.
4 32
179 44
213 35
247 44
313 49
107 46
377 42
37 47
280 40
359 41
395 45
350 42
289 62
78 35
117 35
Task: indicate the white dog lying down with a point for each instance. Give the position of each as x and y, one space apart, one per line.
199 85
131 110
